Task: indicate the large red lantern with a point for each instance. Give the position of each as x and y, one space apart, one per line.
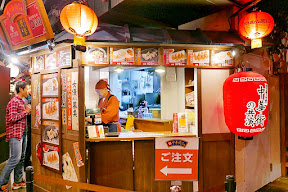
79 20
245 96
256 25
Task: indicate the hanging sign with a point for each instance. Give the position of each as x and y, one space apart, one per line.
26 23
69 101
75 108
176 158
78 154
245 100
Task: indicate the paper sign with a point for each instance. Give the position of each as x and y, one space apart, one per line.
175 57
64 116
91 131
75 108
78 154
69 101
38 116
176 158
68 169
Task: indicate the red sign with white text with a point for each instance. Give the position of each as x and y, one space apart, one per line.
176 158
69 101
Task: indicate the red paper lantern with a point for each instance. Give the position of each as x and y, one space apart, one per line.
256 25
79 20
245 96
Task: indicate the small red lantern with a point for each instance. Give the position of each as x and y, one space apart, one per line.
79 20
256 25
245 96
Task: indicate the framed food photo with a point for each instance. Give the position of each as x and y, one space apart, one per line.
52 157
64 57
122 55
50 108
50 85
147 56
95 55
50 132
175 57
222 58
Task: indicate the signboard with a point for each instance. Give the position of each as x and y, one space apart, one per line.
121 56
176 158
222 58
175 57
95 55
256 43
26 23
201 58
64 58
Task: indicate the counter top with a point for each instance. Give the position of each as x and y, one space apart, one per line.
149 119
131 136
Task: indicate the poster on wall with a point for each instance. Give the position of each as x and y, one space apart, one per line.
222 58
201 58
50 85
50 132
50 61
64 58
38 63
74 91
25 23
147 56
68 169
51 156
69 100
50 108
121 56
175 57
95 55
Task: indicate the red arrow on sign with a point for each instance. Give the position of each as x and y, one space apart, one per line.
165 170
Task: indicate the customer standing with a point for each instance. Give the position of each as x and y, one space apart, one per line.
27 100
15 127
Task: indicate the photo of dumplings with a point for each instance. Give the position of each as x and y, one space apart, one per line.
177 56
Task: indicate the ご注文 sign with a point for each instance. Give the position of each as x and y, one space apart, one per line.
176 158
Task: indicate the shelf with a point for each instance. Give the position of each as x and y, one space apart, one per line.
189 105
189 85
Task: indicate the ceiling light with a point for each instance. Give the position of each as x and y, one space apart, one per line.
14 70
160 69
13 59
118 69
233 53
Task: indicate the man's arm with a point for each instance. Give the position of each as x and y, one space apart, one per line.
13 115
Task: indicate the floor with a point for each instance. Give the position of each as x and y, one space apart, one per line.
279 185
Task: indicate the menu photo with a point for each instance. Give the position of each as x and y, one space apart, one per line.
147 56
175 57
50 108
201 58
124 56
64 58
51 156
38 63
50 84
222 58
50 61
50 133
95 55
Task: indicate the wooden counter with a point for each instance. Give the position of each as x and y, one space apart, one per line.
127 162
151 124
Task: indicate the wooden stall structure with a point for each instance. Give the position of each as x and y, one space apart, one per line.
127 163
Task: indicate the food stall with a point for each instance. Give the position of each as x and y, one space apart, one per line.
63 84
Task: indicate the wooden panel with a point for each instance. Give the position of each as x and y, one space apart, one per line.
144 162
4 99
35 80
111 164
151 126
218 164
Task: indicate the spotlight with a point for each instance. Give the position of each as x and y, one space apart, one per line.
118 69
160 69
14 70
13 59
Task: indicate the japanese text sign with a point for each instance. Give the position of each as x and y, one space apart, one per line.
176 158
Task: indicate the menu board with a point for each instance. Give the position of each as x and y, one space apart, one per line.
38 63
50 84
50 61
51 156
175 57
64 58
50 108
121 56
222 58
50 132
95 55
201 58
147 56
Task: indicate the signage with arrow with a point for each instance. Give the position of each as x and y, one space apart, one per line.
176 158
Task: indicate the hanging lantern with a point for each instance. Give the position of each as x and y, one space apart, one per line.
245 97
255 26
79 20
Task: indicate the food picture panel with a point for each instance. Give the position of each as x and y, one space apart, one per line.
222 58
50 84
50 108
123 56
64 58
38 63
175 57
50 61
201 58
147 56
51 156
95 55
50 132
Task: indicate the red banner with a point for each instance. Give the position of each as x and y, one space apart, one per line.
69 101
